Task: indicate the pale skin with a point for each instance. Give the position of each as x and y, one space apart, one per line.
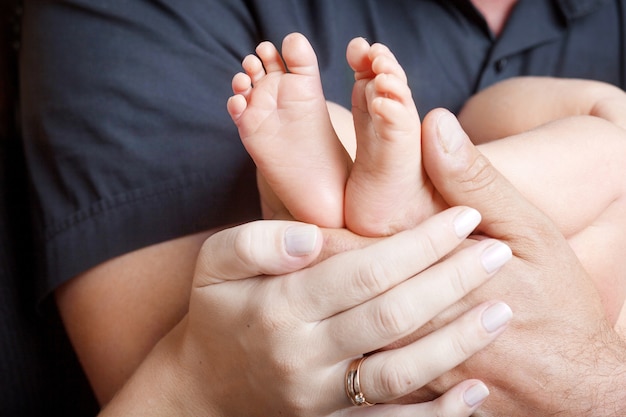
387 189
157 334
269 117
217 345
543 254
203 335
577 338
586 350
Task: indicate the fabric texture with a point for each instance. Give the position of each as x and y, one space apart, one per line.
39 372
126 133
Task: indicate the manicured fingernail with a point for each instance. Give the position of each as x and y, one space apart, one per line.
475 394
451 136
496 316
465 222
495 256
301 240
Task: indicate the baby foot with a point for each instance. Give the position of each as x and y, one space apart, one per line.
282 117
387 190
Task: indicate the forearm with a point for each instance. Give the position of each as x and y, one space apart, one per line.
608 386
161 386
116 312
596 383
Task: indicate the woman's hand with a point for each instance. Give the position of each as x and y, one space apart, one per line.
280 343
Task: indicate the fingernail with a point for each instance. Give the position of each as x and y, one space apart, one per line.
300 240
476 394
451 136
465 222
495 256
496 316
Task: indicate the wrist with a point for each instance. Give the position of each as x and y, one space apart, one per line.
580 377
610 376
593 383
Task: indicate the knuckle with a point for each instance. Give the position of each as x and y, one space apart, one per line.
429 249
461 347
289 374
463 343
393 319
243 244
273 318
396 381
480 174
372 277
206 255
458 279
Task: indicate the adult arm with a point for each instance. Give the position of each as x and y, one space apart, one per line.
125 150
116 312
561 356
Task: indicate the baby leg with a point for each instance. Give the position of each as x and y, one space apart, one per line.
573 170
387 190
569 164
284 125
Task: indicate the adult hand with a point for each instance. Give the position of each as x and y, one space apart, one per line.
281 344
560 356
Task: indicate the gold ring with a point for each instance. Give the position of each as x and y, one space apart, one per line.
353 383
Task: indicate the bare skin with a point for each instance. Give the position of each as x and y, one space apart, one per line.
94 301
495 12
387 190
282 113
387 129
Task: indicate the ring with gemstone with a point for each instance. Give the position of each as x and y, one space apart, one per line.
353 383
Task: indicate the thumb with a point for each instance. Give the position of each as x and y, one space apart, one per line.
464 176
257 248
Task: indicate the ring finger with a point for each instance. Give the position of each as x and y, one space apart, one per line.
391 374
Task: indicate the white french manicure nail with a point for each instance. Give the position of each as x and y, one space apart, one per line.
496 316
301 240
476 394
465 222
495 256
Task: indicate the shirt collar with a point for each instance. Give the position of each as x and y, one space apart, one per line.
573 9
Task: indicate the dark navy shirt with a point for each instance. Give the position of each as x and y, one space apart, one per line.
125 131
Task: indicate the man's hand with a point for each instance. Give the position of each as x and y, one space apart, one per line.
560 356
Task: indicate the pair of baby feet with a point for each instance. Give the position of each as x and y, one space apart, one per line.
284 123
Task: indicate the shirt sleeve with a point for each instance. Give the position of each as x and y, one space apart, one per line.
125 128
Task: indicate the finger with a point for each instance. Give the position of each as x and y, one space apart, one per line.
464 176
461 400
391 374
407 307
351 278
257 248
